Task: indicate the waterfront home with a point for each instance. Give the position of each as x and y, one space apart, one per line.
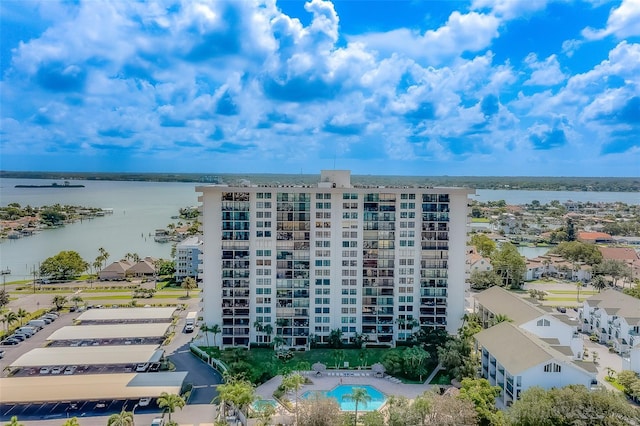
554 265
614 318
595 237
627 255
144 268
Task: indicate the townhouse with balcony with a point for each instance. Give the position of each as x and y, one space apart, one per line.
299 261
187 258
514 359
614 317
534 340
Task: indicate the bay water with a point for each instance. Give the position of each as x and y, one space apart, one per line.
139 208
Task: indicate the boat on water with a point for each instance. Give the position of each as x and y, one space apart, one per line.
66 184
5 271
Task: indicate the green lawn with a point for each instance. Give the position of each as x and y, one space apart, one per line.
565 299
582 292
479 220
441 378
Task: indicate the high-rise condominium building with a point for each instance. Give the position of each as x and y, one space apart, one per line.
300 261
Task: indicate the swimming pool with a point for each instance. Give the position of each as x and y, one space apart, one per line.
338 393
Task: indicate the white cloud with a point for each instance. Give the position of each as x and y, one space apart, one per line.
546 73
624 21
471 32
509 9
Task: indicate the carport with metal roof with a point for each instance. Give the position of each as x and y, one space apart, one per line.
89 355
109 331
127 315
24 390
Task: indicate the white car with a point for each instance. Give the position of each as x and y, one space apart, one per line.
70 369
144 402
56 370
45 370
141 368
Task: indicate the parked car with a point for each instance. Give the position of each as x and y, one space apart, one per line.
10 341
71 369
37 323
27 330
144 402
45 370
158 421
154 366
20 337
141 368
56 370
1 353
46 320
101 404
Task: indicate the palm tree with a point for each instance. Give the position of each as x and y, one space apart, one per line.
215 329
293 382
500 318
22 314
103 257
237 391
599 282
278 341
123 418
189 283
268 329
9 318
358 395
170 402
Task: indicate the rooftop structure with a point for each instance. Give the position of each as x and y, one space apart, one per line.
308 259
89 355
109 331
127 314
21 390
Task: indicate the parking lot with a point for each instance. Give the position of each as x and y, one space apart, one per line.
73 409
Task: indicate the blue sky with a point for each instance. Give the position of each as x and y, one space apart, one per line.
478 87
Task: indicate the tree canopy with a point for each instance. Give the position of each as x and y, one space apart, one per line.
483 244
509 265
572 405
63 266
576 251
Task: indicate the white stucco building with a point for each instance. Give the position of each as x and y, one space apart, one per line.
298 261
533 347
614 318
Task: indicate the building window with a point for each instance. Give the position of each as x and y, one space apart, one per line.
543 323
552 367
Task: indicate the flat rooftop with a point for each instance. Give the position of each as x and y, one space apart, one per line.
109 331
89 355
22 390
123 314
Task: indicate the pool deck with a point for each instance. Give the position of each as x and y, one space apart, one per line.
330 379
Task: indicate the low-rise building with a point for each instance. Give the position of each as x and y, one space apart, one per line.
515 360
614 318
188 260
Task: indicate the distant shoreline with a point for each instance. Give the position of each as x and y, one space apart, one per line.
53 185
595 184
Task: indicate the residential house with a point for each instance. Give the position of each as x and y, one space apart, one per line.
542 321
514 360
595 237
554 265
614 317
627 255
